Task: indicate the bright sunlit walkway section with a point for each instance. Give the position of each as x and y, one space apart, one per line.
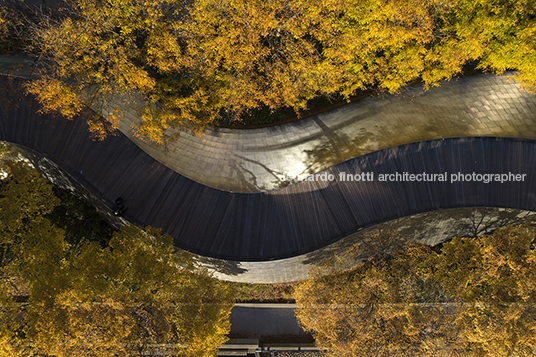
254 160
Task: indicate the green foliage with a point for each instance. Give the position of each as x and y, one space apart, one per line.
264 116
473 297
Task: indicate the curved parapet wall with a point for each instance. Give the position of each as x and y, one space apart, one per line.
287 222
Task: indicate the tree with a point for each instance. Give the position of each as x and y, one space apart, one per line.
95 52
494 274
502 35
132 296
10 327
474 296
187 66
25 198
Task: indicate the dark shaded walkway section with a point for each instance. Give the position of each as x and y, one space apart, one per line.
282 223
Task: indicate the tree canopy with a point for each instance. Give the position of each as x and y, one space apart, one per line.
131 297
470 297
190 64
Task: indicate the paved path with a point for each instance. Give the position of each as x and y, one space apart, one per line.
262 159
288 222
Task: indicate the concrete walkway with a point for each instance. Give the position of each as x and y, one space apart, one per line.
257 160
264 159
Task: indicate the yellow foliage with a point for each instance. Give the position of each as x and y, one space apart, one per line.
473 298
192 63
88 300
56 96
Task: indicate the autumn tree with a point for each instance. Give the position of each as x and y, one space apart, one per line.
189 65
375 244
25 198
13 32
378 309
131 297
494 276
501 34
473 297
11 340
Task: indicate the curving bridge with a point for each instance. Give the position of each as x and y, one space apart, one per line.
260 228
